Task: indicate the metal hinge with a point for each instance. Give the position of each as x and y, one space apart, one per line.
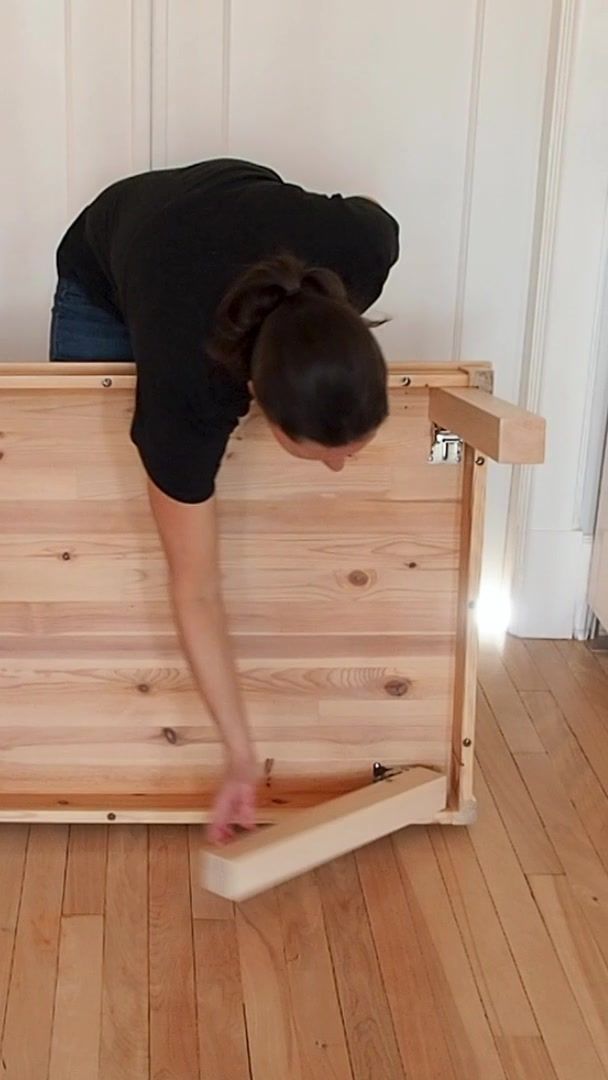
446 448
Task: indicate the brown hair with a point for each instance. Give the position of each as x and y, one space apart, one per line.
316 368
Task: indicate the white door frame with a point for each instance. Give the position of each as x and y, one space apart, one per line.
552 509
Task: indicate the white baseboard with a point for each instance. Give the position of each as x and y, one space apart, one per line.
550 600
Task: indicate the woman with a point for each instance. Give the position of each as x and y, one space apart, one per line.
225 283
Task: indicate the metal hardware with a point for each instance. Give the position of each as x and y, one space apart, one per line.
106 382
384 772
406 380
467 742
446 448
480 460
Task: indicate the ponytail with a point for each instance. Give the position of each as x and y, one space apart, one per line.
316 368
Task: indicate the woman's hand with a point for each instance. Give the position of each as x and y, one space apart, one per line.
235 802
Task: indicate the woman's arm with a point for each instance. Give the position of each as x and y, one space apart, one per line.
189 537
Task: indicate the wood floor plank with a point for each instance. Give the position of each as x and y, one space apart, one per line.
525 1058
13 847
506 704
504 998
574 771
77 1020
585 873
534 849
589 674
579 954
418 1023
85 885
519 665
369 1030
273 1044
314 997
205 905
583 720
222 1034
173 1026
124 1021
561 1024
458 1000
27 1035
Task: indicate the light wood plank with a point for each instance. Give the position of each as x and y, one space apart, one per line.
465 668
579 954
205 905
77 1020
586 874
267 858
27 1034
503 431
421 1035
513 720
583 719
124 1022
85 885
458 999
561 1025
173 1028
273 1044
505 1002
525 1058
578 779
526 831
221 1020
521 670
371 1037
314 998
13 847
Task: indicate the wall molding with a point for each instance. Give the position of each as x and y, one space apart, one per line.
469 176
560 55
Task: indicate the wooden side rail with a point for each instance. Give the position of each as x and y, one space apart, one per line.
312 837
502 431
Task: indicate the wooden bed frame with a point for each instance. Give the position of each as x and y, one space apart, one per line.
350 599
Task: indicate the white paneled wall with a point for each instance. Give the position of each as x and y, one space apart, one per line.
74 115
451 113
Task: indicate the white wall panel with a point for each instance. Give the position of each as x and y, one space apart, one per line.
190 58
74 116
370 99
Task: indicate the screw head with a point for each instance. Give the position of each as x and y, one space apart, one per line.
480 460
466 742
111 816
406 380
106 382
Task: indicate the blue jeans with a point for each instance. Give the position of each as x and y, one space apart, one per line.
80 330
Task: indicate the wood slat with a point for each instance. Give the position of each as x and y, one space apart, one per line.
503 431
586 874
314 999
579 954
456 994
585 722
420 1033
369 1029
273 1043
558 1016
77 1018
124 1047
173 1025
27 1034
526 831
580 783
13 846
205 905
85 884
221 1020
498 981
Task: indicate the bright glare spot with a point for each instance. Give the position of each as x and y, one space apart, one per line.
493 613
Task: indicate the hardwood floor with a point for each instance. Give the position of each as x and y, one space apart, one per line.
437 954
